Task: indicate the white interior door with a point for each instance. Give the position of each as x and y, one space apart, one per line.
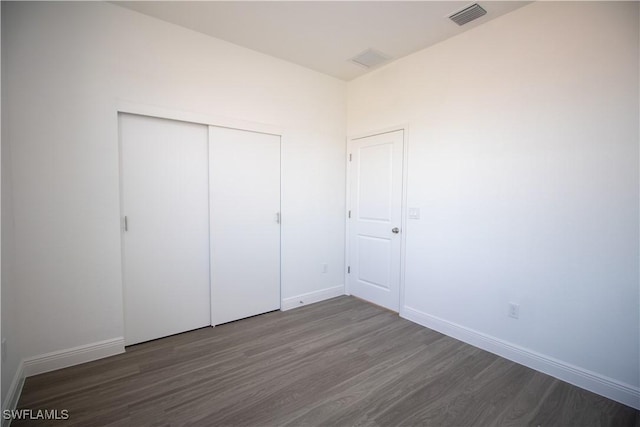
375 223
165 200
245 223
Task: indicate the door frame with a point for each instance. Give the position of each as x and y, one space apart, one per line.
127 107
403 206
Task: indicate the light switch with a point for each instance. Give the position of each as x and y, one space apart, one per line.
414 213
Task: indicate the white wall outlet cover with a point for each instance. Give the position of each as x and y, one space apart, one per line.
414 213
514 310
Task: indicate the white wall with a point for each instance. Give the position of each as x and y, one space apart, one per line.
2 357
68 66
9 308
523 158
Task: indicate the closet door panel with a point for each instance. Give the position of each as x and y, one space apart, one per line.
165 201
245 223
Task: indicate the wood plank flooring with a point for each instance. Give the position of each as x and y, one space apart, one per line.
341 362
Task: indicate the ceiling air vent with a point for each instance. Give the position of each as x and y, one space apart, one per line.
468 14
370 58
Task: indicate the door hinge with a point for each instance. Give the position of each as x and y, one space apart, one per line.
349 214
349 270
126 224
350 156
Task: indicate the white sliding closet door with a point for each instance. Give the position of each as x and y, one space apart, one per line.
165 200
245 223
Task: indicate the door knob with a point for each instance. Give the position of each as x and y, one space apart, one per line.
395 230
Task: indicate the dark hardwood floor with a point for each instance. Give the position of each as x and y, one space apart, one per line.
341 362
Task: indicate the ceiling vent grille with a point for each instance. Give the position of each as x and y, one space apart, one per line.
468 14
370 58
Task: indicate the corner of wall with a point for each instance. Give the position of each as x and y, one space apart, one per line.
56 360
13 392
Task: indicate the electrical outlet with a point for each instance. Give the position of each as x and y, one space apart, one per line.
325 267
4 349
514 310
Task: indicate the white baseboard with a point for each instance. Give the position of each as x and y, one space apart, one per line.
72 356
57 360
13 395
604 386
311 297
